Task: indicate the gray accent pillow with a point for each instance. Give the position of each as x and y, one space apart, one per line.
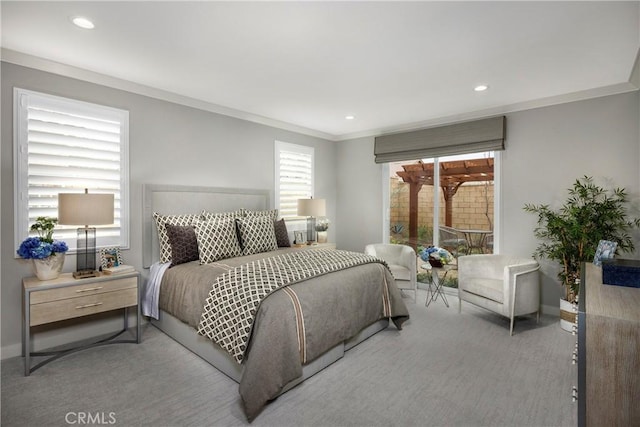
282 235
184 244
163 238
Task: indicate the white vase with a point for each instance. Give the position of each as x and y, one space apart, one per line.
322 236
567 315
49 268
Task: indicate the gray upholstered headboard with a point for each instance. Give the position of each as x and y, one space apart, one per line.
179 199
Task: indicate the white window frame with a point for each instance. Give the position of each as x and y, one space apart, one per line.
497 201
294 148
22 97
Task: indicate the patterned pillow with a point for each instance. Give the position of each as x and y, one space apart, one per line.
217 239
184 244
282 235
257 234
163 238
271 213
232 214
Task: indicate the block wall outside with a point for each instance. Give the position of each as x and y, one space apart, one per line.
472 204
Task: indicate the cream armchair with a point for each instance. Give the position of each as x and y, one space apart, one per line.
401 260
503 284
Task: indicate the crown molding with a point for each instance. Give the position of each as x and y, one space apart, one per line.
503 109
42 64
46 65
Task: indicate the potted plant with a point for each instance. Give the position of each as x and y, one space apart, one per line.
570 234
322 225
47 255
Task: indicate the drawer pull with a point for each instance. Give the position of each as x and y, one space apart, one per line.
95 304
97 288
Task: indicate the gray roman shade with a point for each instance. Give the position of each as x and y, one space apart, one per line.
459 138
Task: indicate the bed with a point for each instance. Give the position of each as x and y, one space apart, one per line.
293 331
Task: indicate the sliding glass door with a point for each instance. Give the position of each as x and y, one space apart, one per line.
447 202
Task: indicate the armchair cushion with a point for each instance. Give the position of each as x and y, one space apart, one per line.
487 288
503 284
402 261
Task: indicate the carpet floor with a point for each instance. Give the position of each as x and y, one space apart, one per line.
442 369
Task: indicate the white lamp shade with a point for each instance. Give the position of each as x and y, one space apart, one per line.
312 207
85 209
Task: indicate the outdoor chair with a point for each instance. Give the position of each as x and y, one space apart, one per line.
453 241
488 243
504 284
402 262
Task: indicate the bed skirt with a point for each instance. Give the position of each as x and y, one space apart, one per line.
221 360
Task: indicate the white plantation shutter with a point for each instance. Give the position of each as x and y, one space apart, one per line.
294 177
65 146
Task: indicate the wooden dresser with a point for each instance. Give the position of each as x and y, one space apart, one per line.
608 352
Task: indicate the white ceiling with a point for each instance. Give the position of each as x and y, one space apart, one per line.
308 64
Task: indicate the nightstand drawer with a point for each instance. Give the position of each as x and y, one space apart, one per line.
81 290
82 306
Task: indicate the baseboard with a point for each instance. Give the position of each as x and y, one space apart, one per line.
11 350
552 310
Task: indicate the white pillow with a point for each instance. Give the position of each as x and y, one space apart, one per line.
257 234
231 214
217 239
271 213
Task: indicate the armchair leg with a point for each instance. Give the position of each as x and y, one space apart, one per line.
459 305
511 330
537 317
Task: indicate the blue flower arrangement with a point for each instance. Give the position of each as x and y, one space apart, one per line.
36 248
43 246
438 253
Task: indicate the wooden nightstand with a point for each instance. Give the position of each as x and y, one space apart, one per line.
48 301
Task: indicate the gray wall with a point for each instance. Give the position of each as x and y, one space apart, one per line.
546 150
169 144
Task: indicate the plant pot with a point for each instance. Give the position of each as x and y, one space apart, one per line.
322 236
567 315
49 268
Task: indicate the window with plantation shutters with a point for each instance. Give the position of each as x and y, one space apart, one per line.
64 146
294 177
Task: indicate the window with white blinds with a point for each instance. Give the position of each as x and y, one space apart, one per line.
294 177
64 146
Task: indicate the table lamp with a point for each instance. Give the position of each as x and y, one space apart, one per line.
311 208
87 210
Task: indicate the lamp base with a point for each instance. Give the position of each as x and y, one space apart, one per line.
311 227
86 256
84 274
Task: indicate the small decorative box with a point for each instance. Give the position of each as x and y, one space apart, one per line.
621 272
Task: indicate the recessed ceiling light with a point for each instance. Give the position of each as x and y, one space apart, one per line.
83 22
481 88
349 117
